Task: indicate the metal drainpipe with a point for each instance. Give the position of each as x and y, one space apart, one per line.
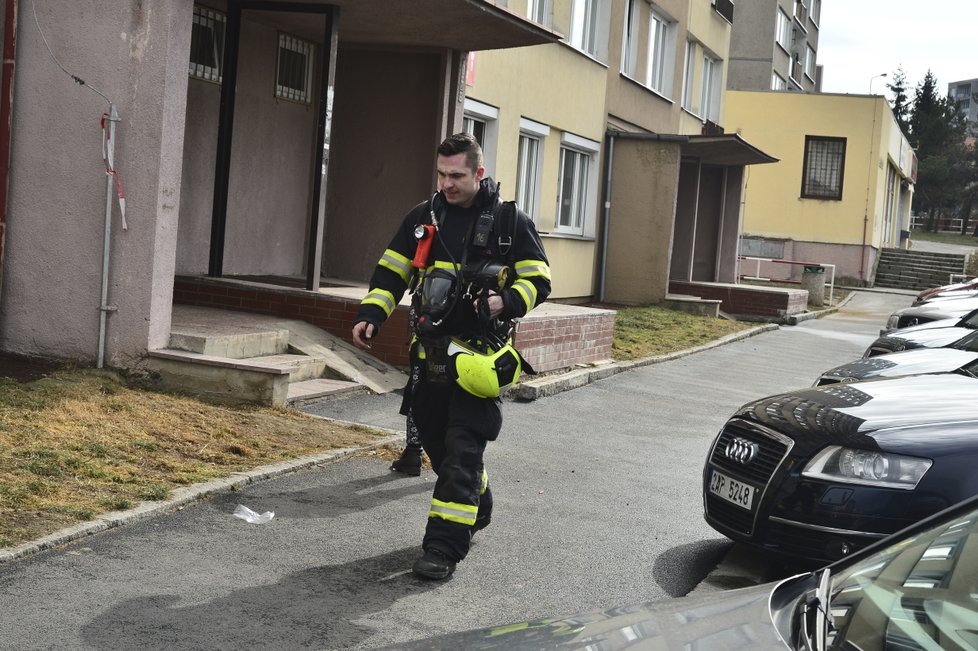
6 113
104 308
609 159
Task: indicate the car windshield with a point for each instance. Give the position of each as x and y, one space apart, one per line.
968 342
919 593
970 320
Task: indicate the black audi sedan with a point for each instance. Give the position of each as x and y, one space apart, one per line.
818 473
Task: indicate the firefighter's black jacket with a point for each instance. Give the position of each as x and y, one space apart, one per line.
394 272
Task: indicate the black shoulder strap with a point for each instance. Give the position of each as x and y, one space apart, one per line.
506 233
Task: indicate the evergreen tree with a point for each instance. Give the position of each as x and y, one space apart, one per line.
937 131
901 101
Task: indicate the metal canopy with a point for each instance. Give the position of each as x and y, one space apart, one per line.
727 149
465 25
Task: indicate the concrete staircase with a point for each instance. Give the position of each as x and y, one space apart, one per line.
240 358
902 269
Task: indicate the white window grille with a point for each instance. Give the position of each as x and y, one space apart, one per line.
207 44
293 80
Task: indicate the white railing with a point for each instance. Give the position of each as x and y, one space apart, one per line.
757 270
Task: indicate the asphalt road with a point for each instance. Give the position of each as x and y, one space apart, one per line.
597 504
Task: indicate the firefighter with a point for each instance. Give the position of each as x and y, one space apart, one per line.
473 264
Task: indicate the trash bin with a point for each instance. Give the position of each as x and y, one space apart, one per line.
813 279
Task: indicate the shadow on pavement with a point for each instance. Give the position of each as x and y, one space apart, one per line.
314 608
680 569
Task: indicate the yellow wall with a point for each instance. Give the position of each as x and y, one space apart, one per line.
777 123
557 86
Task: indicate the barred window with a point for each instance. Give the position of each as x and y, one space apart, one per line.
207 44
825 162
294 79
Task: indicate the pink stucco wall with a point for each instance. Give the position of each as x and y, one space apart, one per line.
135 52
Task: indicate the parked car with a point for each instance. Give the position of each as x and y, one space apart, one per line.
914 590
926 335
929 311
960 356
964 286
818 473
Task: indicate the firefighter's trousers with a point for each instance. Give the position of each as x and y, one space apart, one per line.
455 427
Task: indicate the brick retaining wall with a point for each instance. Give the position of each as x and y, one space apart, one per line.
552 337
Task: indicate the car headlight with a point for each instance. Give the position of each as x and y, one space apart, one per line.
881 469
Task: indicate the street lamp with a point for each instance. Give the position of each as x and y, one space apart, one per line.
871 81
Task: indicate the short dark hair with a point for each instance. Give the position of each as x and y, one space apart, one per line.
463 143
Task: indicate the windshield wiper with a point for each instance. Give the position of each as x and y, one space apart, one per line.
817 621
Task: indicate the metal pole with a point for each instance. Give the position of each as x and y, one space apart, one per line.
104 308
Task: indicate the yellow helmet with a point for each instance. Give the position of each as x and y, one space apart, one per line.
484 374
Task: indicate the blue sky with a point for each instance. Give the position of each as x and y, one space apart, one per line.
862 38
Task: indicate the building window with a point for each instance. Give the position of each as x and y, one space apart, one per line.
528 165
577 184
824 168
207 44
294 79
710 103
784 30
542 12
778 82
810 62
816 13
584 26
688 70
482 121
658 38
660 61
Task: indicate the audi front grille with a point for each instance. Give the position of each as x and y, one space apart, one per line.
771 450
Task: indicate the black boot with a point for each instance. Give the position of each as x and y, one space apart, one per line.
409 463
434 565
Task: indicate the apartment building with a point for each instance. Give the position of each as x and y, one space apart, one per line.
611 139
963 94
774 46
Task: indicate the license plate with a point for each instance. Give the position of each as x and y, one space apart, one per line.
732 490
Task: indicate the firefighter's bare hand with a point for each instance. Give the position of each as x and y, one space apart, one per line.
495 302
362 331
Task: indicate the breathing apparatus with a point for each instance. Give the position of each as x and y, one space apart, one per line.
486 363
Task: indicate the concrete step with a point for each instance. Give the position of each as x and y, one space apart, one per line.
319 387
228 342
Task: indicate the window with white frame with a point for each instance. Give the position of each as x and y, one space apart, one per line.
529 163
584 25
482 121
207 44
293 80
650 42
658 71
577 184
688 70
784 30
810 62
711 93
778 82
542 12
824 167
816 11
